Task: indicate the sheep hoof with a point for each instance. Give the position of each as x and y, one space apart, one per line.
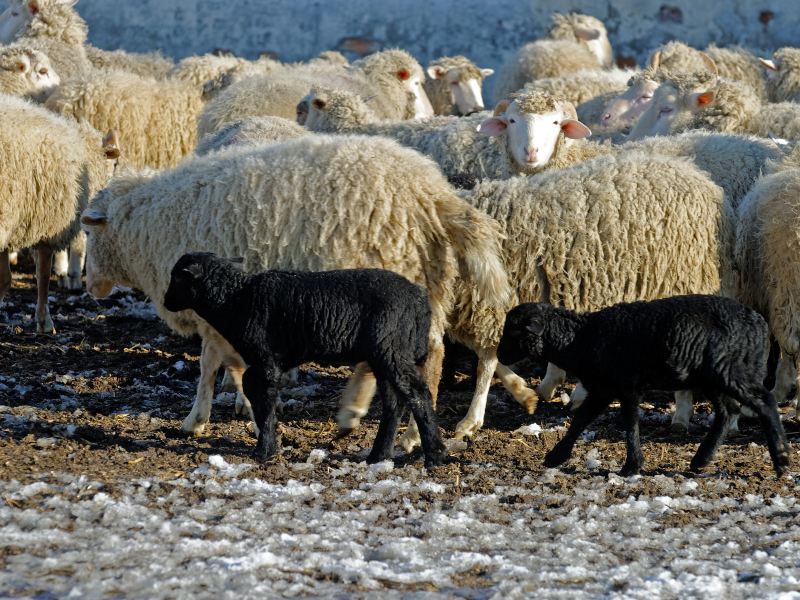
679 428
264 452
342 433
409 441
467 428
347 420
556 457
45 326
629 469
192 427
375 457
529 400
545 391
437 458
696 466
74 282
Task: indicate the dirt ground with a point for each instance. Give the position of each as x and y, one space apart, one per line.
103 399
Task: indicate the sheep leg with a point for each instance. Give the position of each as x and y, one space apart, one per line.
586 413
763 404
259 387
242 405
44 324
383 447
785 377
77 259
577 397
470 424
715 436
683 412
61 266
356 398
515 384
5 274
210 362
630 417
552 378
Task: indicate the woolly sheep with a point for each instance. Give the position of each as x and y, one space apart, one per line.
277 320
149 64
392 79
52 27
704 101
623 351
576 42
582 86
494 148
739 64
454 85
250 132
200 69
26 72
156 119
51 167
783 75
305 204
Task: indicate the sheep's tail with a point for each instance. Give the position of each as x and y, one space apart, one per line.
476 238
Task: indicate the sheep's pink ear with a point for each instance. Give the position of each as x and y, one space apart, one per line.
403 74
493 127
437 72
487 72
94 218
704 99
33 6
574 129
586 34
110 145
768 63
319 103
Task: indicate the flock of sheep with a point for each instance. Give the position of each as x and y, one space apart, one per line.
690 188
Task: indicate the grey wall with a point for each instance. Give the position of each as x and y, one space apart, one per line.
486 30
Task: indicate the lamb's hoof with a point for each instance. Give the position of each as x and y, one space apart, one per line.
529 400
192 427
437 457
46 326
342 433
264 452
347 420
376 457
679 428
545 391
409 441
556 457
627 470
74 283
467 428
782 463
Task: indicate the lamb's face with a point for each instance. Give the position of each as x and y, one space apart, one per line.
413 83
14 20
671 110
624 110
182 291
522 335
42 76
532 137
464 87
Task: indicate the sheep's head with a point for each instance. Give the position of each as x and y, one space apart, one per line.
330 110
534 124
676 103
194 276
398 66
586 30
462 80
523 334
25 72
782 70
55 18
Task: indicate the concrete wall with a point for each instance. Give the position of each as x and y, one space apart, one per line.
486 30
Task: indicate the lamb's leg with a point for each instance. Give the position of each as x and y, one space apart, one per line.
210 362
383 447
785 378
61 266
715 436
5 274
259 387
763 404
77 258
432 373
470 424
518 388
588 412
552 378
683 412
356 398
629 405
44 324
242 405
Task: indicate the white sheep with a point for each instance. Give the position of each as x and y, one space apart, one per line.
26 72
582 86
250 132
201 69
156 119
145 64
392 79
53 27
51 167
783 75
494 148
454 85
308 204
576 42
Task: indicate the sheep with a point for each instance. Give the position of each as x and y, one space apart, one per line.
466 145
703 101
616 228
623 351
392 79
156 119
305 204
250 132
454 87
783 69
149 64
49 26
582 86
277 320
739 64
200 69
56 165
576 42
26 72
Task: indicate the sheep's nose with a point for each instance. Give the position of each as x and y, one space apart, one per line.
605 117
530 153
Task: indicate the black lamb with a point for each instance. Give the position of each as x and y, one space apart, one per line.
706 342
277 320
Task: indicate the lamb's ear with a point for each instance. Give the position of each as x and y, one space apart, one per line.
194 270
493 127
94 218
403 75
702 100
535 325
768 63
110 145
33 6
710 64
586 34
574 129
487 72
655 60
437 72
319 103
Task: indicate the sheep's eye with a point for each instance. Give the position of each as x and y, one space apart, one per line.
665 110
555 122
42 71
14 14
511 121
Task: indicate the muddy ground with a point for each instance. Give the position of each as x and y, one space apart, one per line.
101 403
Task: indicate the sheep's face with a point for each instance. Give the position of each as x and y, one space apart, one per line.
100 261
596 39
42 75
465 89
780 70
532 137
14 20
182 291
671 110
413 83
624 110
522 335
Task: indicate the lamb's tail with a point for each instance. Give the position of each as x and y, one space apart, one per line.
476 238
